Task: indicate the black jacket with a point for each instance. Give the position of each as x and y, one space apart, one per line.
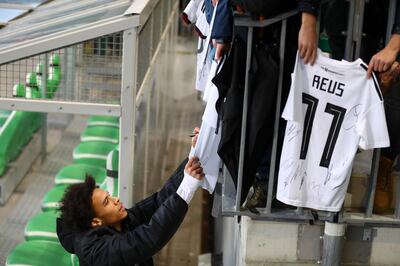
150 224
263 77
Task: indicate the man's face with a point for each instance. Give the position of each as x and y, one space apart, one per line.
107 208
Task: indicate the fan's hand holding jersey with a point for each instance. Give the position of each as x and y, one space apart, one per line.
332 109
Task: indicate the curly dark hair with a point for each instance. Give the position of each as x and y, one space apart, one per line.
76 205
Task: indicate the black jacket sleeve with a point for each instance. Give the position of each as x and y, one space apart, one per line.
309 6
139 244
144 209
396 25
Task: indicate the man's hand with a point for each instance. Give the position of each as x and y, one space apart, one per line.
221 49
388 78
384 59
196 131
308 38
194 169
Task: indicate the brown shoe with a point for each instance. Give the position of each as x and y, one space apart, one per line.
388 78
259 197
384 186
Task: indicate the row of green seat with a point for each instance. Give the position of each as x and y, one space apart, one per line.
92 157
16 127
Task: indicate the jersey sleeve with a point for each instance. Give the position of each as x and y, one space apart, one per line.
372 128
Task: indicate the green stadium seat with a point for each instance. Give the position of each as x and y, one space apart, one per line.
19 90
42 226
16 131
43 253
54 69
51 84
51 200
75 173
93 153
31 87
111 182
97 120
101 133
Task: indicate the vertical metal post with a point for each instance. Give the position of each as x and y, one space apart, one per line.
333 243
358 26
238 252
70 75
390 21
348 55
397 206
44 115
228 249
244 119
146 139
128 109
271 179
372 183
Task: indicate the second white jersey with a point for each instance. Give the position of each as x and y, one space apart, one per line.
332 109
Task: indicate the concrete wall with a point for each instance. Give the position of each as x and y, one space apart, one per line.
277 243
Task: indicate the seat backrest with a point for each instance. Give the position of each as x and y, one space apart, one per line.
111 182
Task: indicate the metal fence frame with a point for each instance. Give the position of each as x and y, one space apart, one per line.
131 24
332 244
353 46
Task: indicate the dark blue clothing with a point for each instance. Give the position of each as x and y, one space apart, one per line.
396 25
309 6
223 22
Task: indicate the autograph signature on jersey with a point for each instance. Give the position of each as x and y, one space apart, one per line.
292 132
298 172
351 118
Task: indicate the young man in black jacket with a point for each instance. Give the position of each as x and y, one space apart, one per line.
100 231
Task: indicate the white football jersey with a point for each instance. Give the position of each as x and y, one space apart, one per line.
332 109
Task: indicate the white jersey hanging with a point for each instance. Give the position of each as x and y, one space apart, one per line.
332 109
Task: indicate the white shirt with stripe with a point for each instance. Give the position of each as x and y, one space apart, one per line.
332 109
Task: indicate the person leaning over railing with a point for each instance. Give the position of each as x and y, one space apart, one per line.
100 231
302 37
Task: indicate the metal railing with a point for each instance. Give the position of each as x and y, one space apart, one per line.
231 197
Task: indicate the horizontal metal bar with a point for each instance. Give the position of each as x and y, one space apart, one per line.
246 21
359 218
292 215
45 106
66 38
282 215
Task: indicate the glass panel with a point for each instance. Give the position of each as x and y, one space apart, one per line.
26 3
144 51
53 11
104 14
140 180
7 14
